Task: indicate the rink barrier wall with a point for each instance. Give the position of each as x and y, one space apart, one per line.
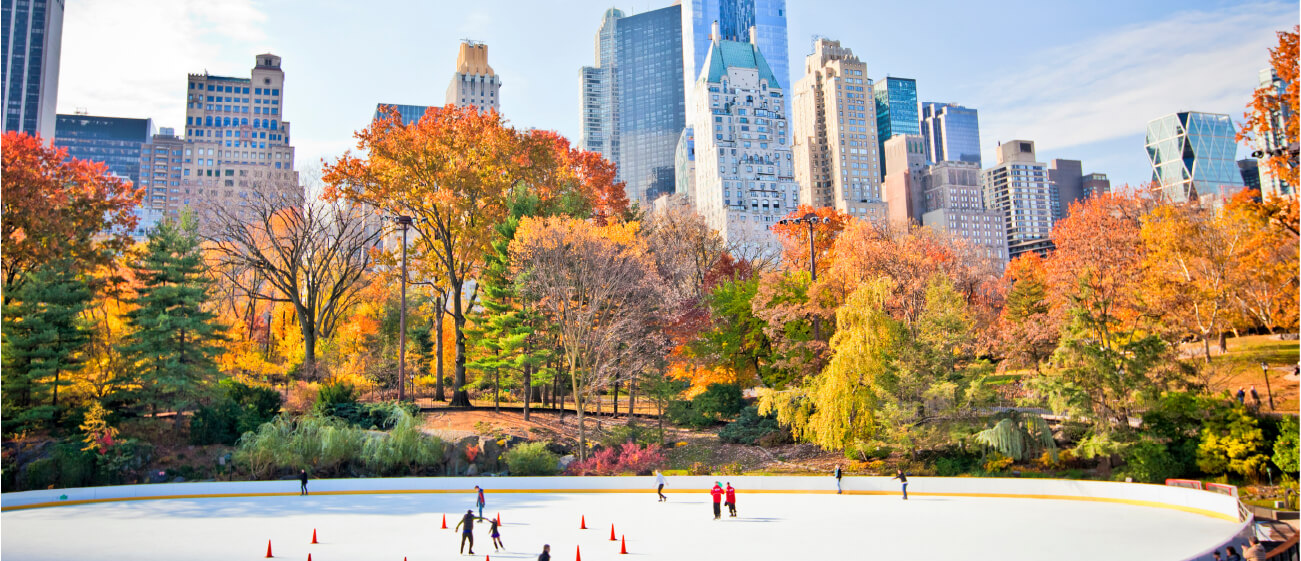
1158 496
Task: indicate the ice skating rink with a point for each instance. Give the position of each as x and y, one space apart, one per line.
806 522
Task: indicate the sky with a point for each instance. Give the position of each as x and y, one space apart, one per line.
1081 79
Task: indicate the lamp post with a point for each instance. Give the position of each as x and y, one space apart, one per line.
1264 369
811 219
404 222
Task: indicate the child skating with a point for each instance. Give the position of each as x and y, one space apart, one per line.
496 535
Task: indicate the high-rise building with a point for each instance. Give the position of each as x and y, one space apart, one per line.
649 99
734 18
955 208
1068 179
600 117
1193 156
112 141
407 113
33 38
1249 169
474 83
162 165
834 141
1018 187
744 170
896 110
684 165
1268 183
952 133
237 141
1095 184
905 155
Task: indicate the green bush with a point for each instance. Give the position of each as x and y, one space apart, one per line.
239 409
684 414
954 465
749 427
531 458
631 432
328 445
1285 446
330 395
719 401
864 451
1149 461
1232 441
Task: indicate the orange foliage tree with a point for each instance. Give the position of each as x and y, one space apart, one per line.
59 207
794 237
1272 113
454 171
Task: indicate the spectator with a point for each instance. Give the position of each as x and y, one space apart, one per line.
302 482
546 553
1254 551
1242 395
838 473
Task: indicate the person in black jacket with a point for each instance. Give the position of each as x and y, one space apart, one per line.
903 479
838 474
468 533
302 480
546 553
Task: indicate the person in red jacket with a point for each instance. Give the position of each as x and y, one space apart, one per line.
731 500
717 494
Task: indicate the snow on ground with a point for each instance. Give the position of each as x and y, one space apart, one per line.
390 527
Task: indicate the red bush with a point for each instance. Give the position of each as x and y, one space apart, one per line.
627 458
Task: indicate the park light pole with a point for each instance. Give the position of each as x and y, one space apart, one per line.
1264 369
811 219
403 222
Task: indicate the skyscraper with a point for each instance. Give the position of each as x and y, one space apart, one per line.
896 110
1068 179
834 141
1193 156
407 113
952 133
598 104
1095 184
236 141
734 18
33 38
649 100
161 171
744 172
905 155
1249 169
1270 184
1018 187
112 141
474 83
954 207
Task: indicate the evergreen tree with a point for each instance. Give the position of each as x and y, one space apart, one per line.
43 340
173 338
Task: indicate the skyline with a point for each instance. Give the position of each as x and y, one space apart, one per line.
1070 83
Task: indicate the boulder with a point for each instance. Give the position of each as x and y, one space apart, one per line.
566 460
472 471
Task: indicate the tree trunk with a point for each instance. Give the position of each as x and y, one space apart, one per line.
632 399
1206 346
308 329
528 389
615 415
496 390
1224 343
438 326
460 397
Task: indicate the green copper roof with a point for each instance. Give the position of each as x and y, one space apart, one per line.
735 54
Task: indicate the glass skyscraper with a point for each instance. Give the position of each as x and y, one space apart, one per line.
952 133
1193 156
649 99
408 113
112 141
896 110
735 18
33 37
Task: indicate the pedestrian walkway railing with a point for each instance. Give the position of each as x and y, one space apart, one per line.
1286 551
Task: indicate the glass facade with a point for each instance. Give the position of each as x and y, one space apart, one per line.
113 141
649 100
896 110
1193 156
952 133
1268 183
33 31
598 91
735 17
408 113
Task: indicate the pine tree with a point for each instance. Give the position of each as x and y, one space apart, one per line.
43 339
173 338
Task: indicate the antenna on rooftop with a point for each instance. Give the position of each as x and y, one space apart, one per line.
472 42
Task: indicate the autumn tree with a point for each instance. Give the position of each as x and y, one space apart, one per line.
1027 330
44 340
57 208
454 172
1272 112
311 255
1263 283
599 290
794 237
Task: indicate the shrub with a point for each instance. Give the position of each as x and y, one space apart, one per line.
1231 442
684 413
330 445
531 458
239 409
719 401
631 432
1150 461
625 459
1285 446
950 466
331 395
997 462
749 427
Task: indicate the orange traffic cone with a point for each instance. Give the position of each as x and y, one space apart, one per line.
578 553
314 536
623 545
444 521
612 538
269 550
582 524
499 519
309 557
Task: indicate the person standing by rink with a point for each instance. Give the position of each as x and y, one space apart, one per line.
731 500
546 553
467 535
838 473
660 482
479 502
903 479
717 494
302 482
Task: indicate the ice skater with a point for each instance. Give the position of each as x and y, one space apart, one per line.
838 473
302 482
479 502
731 500
659 480
546 553
717 494
467 535
903 480
496 535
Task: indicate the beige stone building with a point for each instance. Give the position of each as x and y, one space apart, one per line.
236 141
474 83
834 140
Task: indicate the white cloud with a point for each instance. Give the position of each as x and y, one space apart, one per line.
1109 86
129 58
